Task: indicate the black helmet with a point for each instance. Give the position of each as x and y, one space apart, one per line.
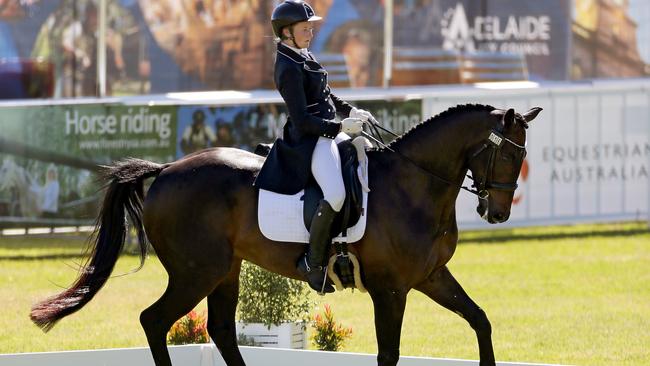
290 12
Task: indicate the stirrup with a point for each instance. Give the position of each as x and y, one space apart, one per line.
309 272
322 289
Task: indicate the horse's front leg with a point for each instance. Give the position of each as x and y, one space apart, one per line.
443 288
389 307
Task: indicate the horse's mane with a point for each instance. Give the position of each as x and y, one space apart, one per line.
440 116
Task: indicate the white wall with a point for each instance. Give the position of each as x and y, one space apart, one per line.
588 152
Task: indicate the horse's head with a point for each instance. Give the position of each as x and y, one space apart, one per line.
496 162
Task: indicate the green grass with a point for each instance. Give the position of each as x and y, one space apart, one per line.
575 295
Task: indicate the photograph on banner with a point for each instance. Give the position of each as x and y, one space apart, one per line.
229 44
245 126
61 35
242 126
165 46
33 189
611 40
50 155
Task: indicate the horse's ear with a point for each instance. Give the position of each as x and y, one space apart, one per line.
509 118
531 114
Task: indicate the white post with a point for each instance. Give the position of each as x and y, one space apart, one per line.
101 49
648 130
388 42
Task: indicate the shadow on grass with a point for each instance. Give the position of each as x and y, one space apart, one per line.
53 247
500 237
40 257
61 256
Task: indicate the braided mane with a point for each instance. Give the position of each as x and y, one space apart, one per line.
440 116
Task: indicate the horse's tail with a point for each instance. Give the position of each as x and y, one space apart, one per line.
125 194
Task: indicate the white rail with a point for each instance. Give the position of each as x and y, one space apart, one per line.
207 355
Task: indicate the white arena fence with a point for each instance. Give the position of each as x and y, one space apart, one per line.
208 355
588 151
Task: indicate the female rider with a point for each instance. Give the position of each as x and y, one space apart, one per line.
310 135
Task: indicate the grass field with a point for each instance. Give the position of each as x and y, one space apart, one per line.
576 295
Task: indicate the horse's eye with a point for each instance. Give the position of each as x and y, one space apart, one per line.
507 157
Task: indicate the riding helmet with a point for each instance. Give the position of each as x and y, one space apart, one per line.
290 12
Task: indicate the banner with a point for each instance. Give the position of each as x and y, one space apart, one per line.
49 154
167 45
611 41
588 156
245 126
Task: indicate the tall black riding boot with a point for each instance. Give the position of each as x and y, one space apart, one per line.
313 264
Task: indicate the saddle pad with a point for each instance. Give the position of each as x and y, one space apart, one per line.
280 218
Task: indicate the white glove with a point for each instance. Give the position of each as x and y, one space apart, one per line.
352 125
361 114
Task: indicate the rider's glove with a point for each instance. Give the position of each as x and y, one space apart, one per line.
361 114
352 125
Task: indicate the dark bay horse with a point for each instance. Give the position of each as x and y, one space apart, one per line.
200 215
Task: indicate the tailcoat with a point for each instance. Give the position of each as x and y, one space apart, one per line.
302 83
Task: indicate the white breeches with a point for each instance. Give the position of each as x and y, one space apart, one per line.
326 168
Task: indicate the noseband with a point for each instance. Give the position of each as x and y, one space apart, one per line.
493 147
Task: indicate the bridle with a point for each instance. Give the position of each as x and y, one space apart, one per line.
492 145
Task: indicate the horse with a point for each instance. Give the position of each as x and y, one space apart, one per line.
200 216
29 193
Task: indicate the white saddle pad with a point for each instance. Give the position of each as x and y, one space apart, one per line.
280 218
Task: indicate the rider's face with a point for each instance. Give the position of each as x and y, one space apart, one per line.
303 33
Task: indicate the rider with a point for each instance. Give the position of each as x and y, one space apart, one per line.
198 135
310 135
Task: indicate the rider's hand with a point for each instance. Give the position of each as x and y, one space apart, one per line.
361 114
352 125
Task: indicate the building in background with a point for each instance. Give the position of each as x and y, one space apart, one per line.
606 42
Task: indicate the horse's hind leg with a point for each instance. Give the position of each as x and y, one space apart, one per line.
443 288
222 303
181 296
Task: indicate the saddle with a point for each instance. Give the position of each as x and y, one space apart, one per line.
278 214
353 205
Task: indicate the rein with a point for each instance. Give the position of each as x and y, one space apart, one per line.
494 142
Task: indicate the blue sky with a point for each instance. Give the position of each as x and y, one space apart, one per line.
640 12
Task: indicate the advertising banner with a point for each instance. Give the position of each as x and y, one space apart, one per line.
168 45
500 38
245 126
588 158
610 39
49 155
63 33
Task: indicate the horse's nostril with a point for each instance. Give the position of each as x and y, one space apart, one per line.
499 217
